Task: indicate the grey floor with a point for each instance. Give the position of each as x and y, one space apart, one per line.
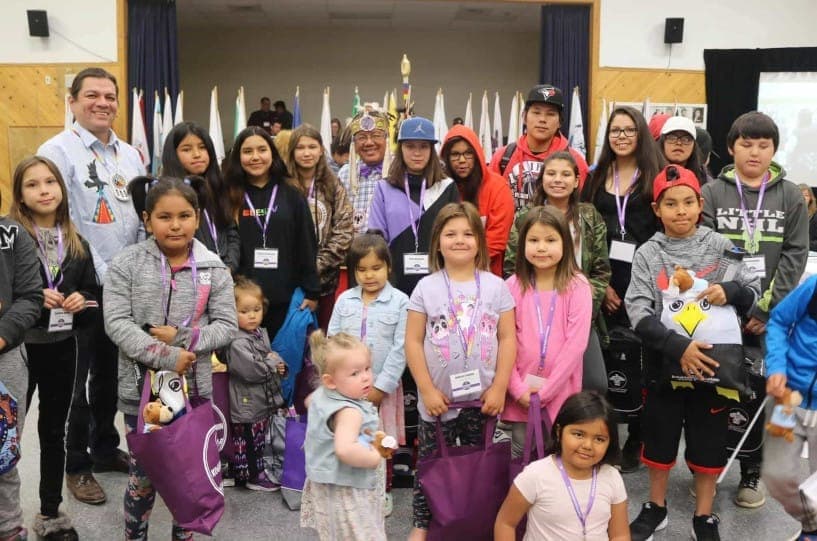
251 516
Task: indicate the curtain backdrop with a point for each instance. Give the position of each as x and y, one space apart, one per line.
732 80
153 60
565 55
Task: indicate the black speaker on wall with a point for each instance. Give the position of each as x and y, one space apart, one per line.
674 30
37 23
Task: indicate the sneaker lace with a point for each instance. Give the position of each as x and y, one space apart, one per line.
750 480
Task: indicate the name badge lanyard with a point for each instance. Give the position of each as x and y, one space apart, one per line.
363 323
466 335
101 159
582 516
270 209
415 225
49 274
621 207
191 260
752 243
544 329
212 228
311 195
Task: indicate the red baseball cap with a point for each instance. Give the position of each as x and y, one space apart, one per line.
656 123
672 176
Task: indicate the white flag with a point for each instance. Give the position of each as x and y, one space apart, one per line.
240 119
469 116
440 125
645 108
513 120
69 116
138 137
326 123
215 126
576 134
485 127
157 133
496 135
178 117
167 117
601 132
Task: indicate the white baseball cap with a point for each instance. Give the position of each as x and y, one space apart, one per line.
679 123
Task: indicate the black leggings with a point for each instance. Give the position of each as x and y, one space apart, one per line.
51 368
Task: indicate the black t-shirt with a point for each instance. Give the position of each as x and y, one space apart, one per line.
260 118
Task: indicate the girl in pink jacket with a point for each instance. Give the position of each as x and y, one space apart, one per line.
553 313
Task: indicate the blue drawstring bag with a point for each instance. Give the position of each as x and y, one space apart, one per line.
9 439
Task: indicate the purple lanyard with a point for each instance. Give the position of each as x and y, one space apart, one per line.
582 516
363 323
544 330
212 227
466 337
311 193
49 276
415 225
744 214
166 298
270 209
621 208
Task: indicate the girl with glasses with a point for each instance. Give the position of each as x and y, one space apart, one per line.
677 143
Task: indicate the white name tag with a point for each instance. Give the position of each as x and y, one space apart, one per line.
466 384
60 320
266 258
622 251
756 265
415 263
534 382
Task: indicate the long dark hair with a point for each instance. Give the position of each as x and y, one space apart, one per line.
566 269
648 156
236 178
472 184
694 163
583 407
433 173
540 197
325 180
217 206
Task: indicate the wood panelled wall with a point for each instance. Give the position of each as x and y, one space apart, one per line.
31 111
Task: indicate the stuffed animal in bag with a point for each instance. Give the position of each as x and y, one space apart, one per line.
169 387
783 421
155 415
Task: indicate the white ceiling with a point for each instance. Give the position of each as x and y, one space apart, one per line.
404 14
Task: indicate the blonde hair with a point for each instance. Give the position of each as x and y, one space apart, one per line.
812 204
245 286
447 213
566 269
326 351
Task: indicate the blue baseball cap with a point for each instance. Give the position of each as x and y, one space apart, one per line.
416 129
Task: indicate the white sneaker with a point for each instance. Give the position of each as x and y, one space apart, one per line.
388 505
227 482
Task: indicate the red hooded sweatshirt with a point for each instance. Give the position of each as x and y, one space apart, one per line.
494 197
529 165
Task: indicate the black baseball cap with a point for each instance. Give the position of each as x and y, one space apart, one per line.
545 94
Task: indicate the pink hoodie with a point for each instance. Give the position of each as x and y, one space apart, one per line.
565 348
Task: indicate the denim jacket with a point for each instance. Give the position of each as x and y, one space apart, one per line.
385 330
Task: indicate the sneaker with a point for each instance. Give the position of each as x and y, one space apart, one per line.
85 488
751 491
705 528
227 482
263 484
630 456
388 505
20 534
652 518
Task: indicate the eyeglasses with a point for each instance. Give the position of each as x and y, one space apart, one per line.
615 133
457 156
683 139
376 137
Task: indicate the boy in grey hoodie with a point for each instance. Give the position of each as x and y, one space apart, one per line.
681 331
754 206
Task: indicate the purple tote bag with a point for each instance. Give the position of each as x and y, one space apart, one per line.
221 407
466 485
182 462
293 477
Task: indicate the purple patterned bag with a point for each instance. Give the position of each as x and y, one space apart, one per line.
181 460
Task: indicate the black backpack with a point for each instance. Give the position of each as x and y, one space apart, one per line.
506 157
